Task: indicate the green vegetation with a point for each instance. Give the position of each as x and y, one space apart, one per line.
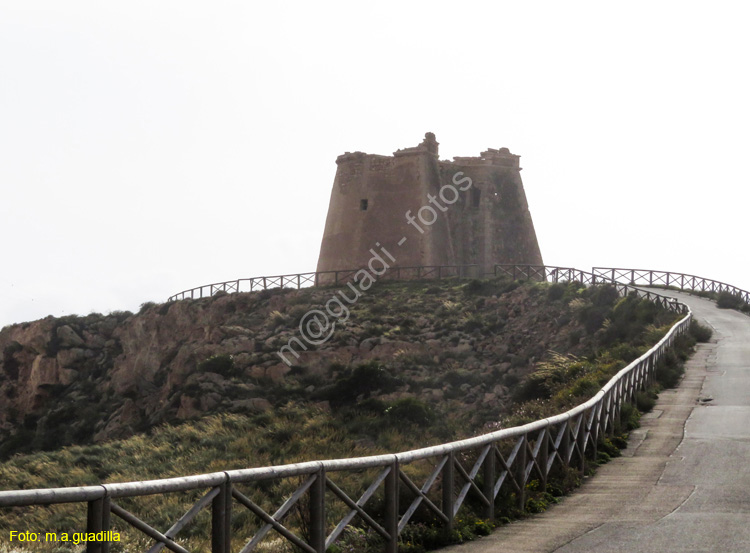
727 300
724 300
219 364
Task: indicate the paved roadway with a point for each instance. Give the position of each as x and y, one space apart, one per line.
682 485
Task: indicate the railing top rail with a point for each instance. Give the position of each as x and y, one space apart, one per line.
48 496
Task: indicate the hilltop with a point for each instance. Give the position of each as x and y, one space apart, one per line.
454 347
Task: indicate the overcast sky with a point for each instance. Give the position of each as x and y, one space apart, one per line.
149 147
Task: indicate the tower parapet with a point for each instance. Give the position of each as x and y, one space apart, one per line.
501 157
428 146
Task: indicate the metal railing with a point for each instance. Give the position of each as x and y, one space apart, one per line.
647 277
304 280
504 461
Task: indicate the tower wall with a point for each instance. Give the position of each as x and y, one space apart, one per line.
373 197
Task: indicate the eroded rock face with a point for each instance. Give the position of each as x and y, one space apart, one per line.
94 378
108 376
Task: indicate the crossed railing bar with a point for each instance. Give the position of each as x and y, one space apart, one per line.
505 459
683 281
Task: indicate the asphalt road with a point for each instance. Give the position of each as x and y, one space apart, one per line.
682 485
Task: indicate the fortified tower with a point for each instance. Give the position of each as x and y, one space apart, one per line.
426 211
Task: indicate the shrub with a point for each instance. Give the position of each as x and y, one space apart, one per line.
363 380
296 313
608 446
727 300
556 291
585 388
604 296
475 322
630 417
457 377
276 318
220 364
410 411
9 362
121 315
12 348
644 401
700 332
593 317
474 286
669 370
371 405
620 442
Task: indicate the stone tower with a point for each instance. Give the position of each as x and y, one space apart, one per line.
425 211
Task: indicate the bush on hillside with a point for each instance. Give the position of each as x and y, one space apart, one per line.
700 332
219 364
727 300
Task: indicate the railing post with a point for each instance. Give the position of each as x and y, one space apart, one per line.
318 512
221 515
488 476
652 370
97 520
611 412
544 457
581 440
521 472
594 429
618 404
565 444
392 507
448 488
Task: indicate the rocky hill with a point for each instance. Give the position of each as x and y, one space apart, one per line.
462 346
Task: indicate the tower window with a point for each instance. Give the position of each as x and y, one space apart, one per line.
363 205
475 195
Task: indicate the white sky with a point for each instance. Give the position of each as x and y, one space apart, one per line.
149 147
